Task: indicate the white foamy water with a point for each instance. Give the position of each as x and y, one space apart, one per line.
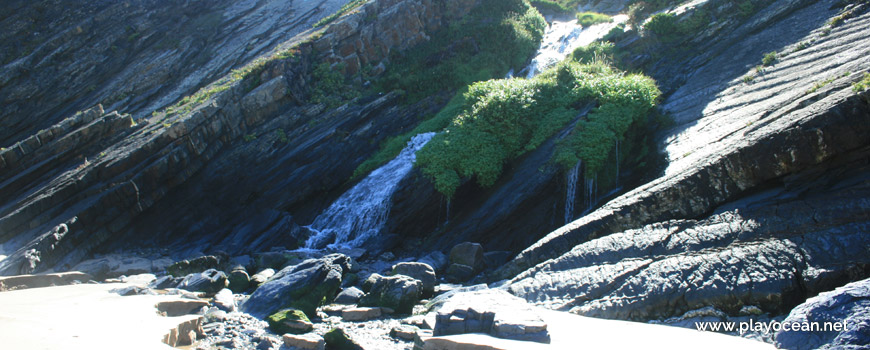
362 211
571 193
562 38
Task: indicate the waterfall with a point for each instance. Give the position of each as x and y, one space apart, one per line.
562 38
617 163
591 192
362 211
573 175
447 217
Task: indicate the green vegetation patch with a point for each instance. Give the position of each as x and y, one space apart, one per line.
280 322
769 59
502 119
348 7
564 6
587 19
862 85
496 36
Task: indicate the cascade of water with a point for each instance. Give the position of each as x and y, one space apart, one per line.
447 218
591 189
572 177
362 211
617 162
562 38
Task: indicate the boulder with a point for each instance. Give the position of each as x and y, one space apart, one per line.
209 281
338 339
848 305
44 280
261 277
165 282
238 279
185 333
419 271
349 296
469 254
493 312
304 342
458 273
404 332
305 286
200 264
436 259
224 300
180 307
289 321
360 313
399 292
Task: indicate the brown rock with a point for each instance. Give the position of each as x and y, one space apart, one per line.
361 313
304 341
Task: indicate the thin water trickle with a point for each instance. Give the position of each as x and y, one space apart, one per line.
573 176
362 211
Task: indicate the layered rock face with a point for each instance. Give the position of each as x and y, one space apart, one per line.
133 57
107 194
764 198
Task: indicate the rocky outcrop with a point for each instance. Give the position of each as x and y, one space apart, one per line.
736 137
491 312
845 306
258 130
132 57
304 287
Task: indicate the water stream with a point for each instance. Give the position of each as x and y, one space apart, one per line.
571 193
362 211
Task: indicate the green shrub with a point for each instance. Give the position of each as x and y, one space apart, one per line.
496 36
329 87
502 119
587 19
599 51
562 6
863 84
769 59
663 25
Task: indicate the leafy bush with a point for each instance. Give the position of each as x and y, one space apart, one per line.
587 19
663 25
496 36
329 86
595 52
556 6
863 84
502 119
769 59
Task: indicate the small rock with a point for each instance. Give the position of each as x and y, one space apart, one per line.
349 296
210 281
238 279
261 277
404 332
469 254
419 271
289 321
361 313
338 339
133 290
187 267
224 300
174 308
304 341
398 292
459 273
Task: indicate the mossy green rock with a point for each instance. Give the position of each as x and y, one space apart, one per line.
338 340
289 321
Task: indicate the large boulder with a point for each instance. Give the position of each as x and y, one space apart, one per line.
848 305
304 286
210 281
494 312
419 271
239 281
398 292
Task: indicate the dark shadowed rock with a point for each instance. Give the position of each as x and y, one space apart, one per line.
304 286
848 305
165 282
209 281
200 264
458 273
436 259
350 295
419 271
338 339
239 281
469 254
399 292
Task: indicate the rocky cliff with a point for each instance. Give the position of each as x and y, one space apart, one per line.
763 201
